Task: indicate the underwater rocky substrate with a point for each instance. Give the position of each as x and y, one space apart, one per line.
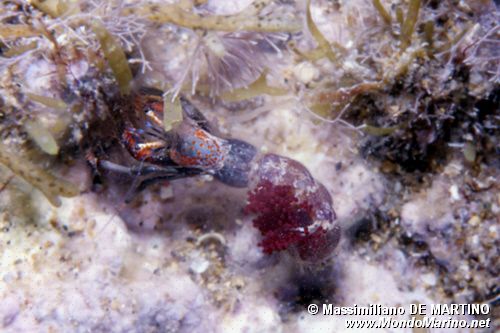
382 117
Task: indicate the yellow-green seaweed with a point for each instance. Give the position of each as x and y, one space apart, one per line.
429 34
51 186
324 48
409 23
344 95
258 87
172 112
175 14
42 137
115 56
400 16
8 31
54 103
56 8
469 151
379 131
447 46
18 50
381 10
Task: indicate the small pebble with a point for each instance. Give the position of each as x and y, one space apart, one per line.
455 195
474 220
199 265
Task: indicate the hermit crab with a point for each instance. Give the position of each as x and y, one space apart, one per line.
190 149
291 209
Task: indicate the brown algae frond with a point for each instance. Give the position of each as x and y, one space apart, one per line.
381 9
175 14
56 8
51 186
115 56
172 112
409 23
345 95
42 137
257 88
9 31
324 48
54 103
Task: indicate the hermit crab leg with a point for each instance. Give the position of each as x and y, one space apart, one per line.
147 175
141 170
153 180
